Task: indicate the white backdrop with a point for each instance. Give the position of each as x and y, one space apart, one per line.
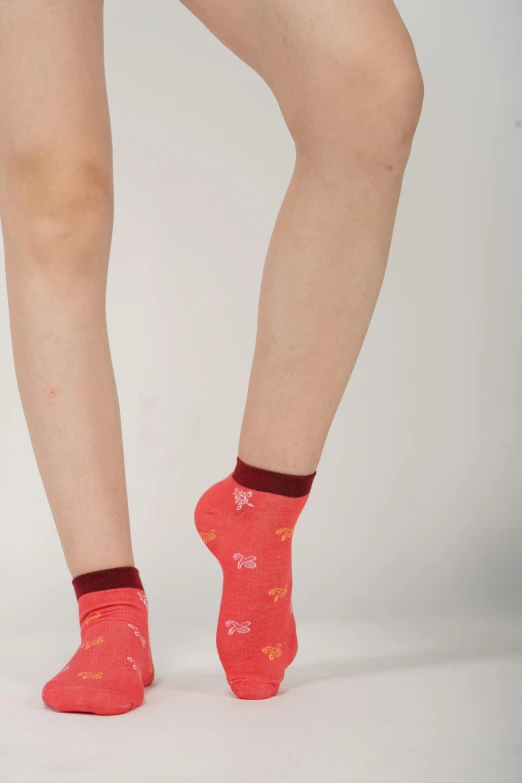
417 506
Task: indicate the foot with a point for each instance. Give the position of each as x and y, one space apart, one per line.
113 664
250 533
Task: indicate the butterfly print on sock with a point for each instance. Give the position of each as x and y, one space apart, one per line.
245 562
278 592
235 627
273 652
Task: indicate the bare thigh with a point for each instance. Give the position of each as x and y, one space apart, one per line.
311 52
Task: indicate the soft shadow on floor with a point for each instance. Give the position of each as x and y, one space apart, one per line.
212 683
330 670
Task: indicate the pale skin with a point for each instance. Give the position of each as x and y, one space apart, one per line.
346 78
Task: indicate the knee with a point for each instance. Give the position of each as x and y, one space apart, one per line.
361 107
58 209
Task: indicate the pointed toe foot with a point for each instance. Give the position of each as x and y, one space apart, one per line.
253 690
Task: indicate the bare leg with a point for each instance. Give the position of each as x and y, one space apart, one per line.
56 207
346 78
347 81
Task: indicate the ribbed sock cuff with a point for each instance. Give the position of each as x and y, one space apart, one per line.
109 579
268 481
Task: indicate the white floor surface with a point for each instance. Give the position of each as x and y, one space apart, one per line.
436 702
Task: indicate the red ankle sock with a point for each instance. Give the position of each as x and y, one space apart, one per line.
247 522
108 673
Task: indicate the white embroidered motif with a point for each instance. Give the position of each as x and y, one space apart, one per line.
239 627
138 634
65 668
245 562
143 598
133 664
242 498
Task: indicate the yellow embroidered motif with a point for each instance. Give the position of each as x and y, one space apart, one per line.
278 592
90 675
285 532
273 652
92 617
210 536
94 642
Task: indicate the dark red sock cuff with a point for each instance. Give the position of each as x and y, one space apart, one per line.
110 579
268 481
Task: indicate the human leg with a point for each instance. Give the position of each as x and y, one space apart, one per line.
56 209
346 78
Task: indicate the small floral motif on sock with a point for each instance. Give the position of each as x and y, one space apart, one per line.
65 668
134 666
285 532
245 562
94 616
144 599
234 627
278 592
90 675
210 536
273 652
241 498
138 634
92 643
